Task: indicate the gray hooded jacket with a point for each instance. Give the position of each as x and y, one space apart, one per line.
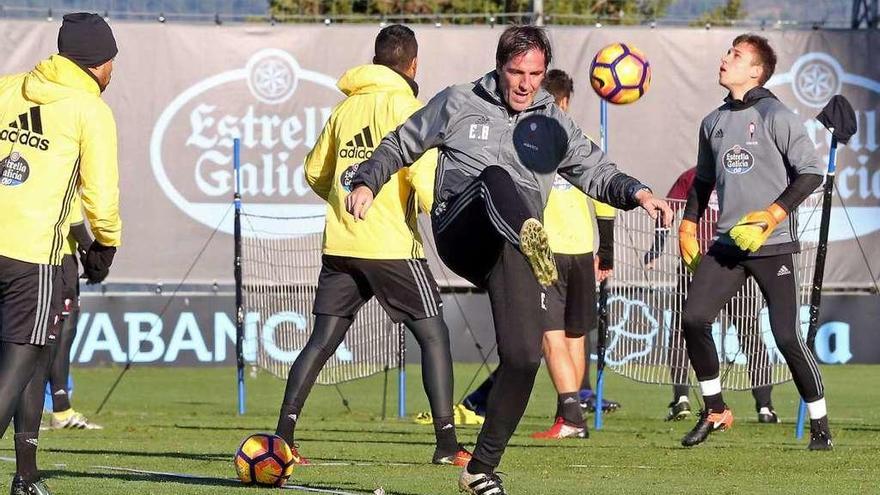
473 129
756 152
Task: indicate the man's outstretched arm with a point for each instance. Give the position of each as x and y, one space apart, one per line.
424 130
586 167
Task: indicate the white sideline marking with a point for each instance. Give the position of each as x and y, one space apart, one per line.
12 459
197 477
159 473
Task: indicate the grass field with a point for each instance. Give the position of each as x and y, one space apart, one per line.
183 421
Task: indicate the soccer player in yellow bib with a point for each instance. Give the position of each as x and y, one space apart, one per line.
78 241
571 302
382 256
57 137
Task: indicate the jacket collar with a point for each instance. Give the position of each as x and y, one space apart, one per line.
373 78
412 84
490 89
753 96
56 78
84 69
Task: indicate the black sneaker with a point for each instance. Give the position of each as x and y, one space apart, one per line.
22 487
475 405
679 410
480 483
820 434
588 402
767 416
708 423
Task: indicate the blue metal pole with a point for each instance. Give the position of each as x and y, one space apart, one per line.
603 294
801 419
819 273
401 375
239 299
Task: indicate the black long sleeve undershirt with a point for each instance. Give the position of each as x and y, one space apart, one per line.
798 190
698 199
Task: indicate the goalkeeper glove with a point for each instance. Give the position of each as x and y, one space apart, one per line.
96 263
688 244
752 230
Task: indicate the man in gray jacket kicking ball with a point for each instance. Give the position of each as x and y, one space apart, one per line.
501 140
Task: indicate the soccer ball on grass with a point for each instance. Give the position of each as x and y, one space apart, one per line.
264 460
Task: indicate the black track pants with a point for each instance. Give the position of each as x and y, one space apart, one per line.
716 280
329 331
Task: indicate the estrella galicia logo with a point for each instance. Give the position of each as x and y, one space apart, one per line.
277 109
738 160
27 130
347 176
14 170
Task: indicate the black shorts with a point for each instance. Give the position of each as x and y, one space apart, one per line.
69 284
571 301
405 288
30 302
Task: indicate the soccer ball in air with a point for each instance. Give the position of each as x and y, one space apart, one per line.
620 73
263 460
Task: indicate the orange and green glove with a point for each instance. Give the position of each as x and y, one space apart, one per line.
688 244
752 230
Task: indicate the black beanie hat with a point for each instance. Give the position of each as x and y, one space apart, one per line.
86 39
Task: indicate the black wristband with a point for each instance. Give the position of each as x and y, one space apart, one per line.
606 243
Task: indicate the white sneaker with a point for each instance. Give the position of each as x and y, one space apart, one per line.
74 421
480 483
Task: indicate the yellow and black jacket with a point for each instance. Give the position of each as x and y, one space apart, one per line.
73 218
378 100
57 136
569 221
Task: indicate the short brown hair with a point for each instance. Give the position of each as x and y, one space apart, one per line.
517 40
559 84
396 47
766 55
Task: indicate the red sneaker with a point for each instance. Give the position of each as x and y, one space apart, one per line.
561 429
461 458
298 458
709 422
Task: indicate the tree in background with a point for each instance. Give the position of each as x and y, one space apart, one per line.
723 15
605 11
562 11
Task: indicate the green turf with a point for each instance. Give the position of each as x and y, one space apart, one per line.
183 420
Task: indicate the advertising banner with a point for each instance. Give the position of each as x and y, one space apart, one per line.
182 93
199 330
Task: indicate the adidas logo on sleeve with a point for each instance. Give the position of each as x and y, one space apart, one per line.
27 130
360 146
783 271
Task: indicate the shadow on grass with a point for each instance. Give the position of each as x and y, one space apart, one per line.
427 429
137 453
122 476
860 428
195 480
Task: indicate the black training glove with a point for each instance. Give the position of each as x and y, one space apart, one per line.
96 263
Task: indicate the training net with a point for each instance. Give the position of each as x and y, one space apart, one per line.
279 278
647 292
